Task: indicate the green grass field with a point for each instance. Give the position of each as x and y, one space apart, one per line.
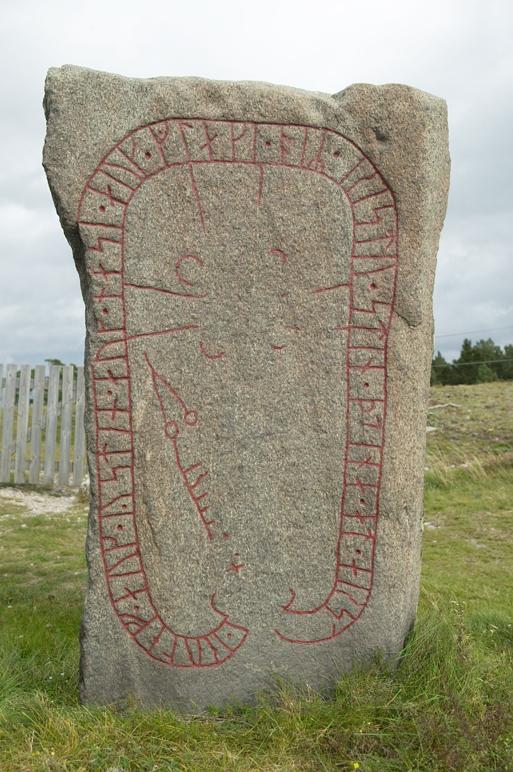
449 705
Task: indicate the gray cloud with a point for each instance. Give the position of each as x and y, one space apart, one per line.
459 50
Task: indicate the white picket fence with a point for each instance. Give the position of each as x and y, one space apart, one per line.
42 424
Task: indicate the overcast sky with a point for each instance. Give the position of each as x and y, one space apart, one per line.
460 50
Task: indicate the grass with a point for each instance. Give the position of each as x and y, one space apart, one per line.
481 424
448 706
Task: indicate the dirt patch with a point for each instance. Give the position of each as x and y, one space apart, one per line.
38 503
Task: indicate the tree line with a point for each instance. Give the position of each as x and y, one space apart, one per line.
479 362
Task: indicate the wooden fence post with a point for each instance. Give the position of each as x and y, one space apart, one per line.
67 402
22 424
79 450
51 423
11 374
38 394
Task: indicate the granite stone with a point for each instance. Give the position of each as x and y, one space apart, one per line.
257 267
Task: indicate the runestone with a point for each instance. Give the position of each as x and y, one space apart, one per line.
257 267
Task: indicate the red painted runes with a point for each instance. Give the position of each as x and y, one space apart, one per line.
370 295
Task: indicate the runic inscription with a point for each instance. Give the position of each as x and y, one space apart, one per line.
334 315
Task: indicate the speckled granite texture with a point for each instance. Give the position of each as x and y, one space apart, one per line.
257 266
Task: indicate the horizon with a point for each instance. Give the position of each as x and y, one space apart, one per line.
460 52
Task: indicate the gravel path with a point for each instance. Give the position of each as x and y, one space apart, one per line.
38 503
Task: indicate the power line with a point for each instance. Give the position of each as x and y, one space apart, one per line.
471 332
467 364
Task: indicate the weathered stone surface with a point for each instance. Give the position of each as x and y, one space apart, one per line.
257 265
